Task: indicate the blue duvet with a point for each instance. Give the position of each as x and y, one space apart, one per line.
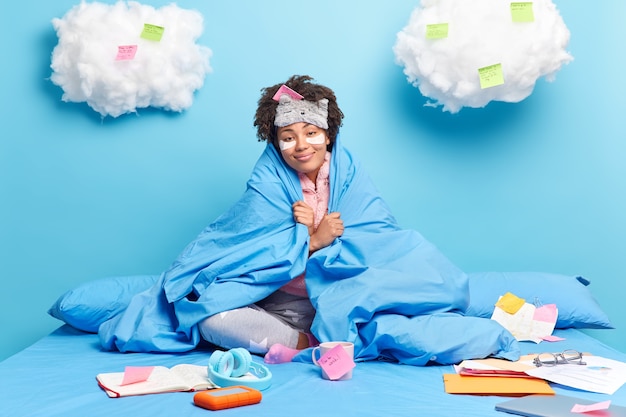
387 289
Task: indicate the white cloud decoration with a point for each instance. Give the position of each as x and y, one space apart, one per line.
121 57
466 53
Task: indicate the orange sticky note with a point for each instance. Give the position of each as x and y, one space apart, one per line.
510 303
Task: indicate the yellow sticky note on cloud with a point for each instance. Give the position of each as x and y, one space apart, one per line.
522 12
510 303
437 31
491 76
152 32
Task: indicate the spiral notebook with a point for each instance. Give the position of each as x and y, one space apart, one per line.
554 406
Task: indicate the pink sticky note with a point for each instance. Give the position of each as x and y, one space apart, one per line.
579 408
134 374
547 313
126 52
552 338
336 362
286 90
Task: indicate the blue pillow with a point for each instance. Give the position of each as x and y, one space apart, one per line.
94 302
577 307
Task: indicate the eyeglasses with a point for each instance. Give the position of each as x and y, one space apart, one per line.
568 356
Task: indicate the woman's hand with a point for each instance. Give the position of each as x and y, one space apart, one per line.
329 228
303 213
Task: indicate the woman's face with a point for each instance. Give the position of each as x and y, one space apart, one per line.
303 147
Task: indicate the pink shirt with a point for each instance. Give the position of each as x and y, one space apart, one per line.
316 196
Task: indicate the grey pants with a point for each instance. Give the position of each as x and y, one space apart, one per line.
279 318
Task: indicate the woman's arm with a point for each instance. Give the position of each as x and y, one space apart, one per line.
329 228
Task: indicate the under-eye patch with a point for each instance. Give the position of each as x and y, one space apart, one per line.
283 145
316 140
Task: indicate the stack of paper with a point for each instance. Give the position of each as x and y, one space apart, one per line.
495 377
498 376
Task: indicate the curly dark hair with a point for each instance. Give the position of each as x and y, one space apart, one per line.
266 111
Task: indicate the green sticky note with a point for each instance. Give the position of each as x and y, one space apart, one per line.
522 12
491 76
152 32
437 31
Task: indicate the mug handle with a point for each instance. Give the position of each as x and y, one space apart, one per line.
315 349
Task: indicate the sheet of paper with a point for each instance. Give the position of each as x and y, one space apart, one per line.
528 322
598 375
494 364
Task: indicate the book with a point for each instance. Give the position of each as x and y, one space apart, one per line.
155 380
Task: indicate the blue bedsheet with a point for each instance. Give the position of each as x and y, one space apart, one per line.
386 289
56 377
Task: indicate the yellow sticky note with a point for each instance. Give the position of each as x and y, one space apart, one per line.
522 12
510 303
152 32
437 31
491 76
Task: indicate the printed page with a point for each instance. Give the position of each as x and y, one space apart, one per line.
597 375
196 376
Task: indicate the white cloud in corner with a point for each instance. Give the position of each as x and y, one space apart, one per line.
481 33
87 64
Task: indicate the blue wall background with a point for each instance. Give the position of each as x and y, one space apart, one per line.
533 186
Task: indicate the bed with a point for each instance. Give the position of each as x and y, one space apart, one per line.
56 375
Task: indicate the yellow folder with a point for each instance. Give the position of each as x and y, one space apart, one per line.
495 385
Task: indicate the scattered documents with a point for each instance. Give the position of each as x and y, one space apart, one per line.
598 375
